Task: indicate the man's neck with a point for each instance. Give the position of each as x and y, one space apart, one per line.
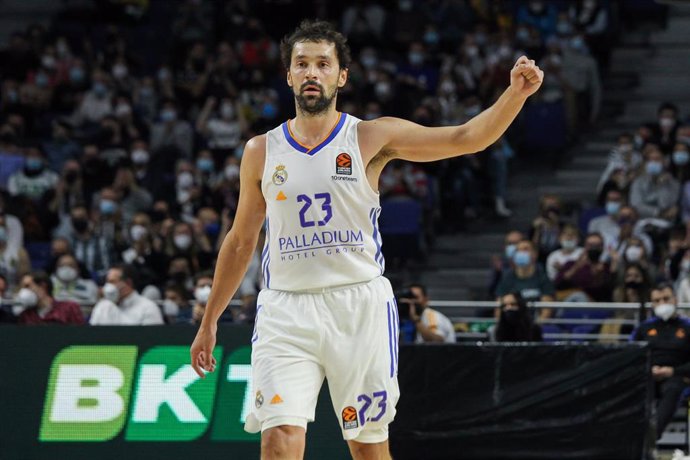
310 130
525 272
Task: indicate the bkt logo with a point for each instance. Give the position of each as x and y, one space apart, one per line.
94 390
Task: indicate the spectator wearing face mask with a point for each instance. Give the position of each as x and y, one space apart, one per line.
202 290
35 179
589 274
95 104
546 228
122 305
539 14
625 160
634 251
503 262
226 190
69 286
221 123
14 260
515 323
527 277
176 304
172 133
581 75
568 252
668 336
655 193
93 250
145 252
665 129
61 147
680 163
133 197
35 296
607 225
635 287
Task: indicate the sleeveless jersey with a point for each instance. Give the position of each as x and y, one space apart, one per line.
321 212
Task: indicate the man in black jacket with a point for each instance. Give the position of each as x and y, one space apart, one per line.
669 339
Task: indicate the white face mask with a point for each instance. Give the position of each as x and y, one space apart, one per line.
170 308
201 294
27 298
185 179
66 273
633 253
140 156
227 111
231 172
111 292
182 241
664 311
137 232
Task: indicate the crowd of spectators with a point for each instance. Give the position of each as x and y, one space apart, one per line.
636 237
121 150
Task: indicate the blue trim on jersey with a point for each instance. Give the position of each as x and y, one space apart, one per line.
266 258
373 217
291 141
312 151
390 338
396 336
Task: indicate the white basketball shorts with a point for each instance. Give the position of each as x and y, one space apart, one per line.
348 335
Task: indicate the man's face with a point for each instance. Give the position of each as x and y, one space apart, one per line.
419 297
315 76
594 242
114 277
660 296
203 282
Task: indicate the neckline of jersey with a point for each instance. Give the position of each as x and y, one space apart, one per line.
290 138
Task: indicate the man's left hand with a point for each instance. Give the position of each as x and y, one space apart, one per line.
662 372
526 77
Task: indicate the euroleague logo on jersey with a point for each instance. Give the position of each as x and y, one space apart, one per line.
343 164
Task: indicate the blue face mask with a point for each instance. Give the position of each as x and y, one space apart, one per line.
42 80
522 258
269 111
681 157
99 89
76 74
205 164
510 251
416 58
612 207
212 230
34 164
654 168
168 115
108 207
431 38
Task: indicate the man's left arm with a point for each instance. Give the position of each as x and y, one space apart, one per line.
410 141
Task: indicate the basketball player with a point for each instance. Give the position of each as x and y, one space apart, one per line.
327 311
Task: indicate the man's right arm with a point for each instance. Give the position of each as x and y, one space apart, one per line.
235 253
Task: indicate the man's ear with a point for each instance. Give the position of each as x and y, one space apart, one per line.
289 79
342 79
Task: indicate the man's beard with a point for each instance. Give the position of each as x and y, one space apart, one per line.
314 105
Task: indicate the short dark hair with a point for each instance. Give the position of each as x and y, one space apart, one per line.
420 286
203 274
664 285
129 272
42 279
316 31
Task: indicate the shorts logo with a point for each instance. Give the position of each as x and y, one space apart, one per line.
281 196
350 418
680 333
343 164
280 175
259 401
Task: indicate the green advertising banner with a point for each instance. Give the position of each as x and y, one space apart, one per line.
129 392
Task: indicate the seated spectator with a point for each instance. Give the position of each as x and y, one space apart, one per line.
668 336
502 262
589 274
134 198
546 228
61 147
680 162
171 133
569 251
69 286
635 287
607 225
430 325
202 290
655 192
515 323
40 307
176 306
91 249
35 179
122 305
634 251
624 158
222 124
14 260
527 278
665 129
145 252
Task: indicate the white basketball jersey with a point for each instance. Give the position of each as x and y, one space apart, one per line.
321 212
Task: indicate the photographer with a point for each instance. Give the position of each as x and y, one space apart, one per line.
430 325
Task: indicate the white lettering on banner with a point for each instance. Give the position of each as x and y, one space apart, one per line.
154 390
70 390
242 373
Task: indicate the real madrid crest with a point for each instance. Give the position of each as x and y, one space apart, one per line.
259 401
280 175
